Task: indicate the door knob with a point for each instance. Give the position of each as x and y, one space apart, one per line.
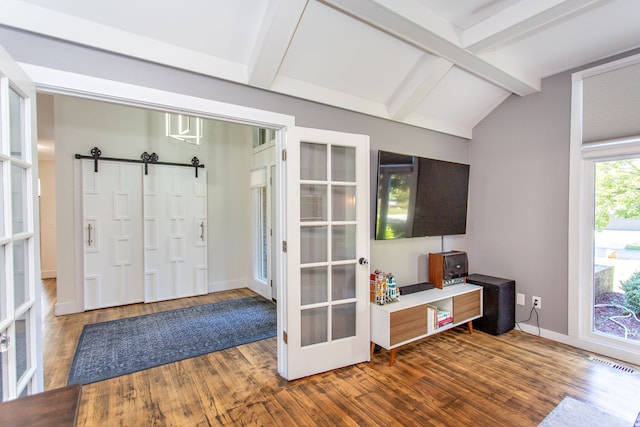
363 261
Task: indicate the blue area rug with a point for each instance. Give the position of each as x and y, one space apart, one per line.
110 349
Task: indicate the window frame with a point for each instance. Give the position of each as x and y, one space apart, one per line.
581 222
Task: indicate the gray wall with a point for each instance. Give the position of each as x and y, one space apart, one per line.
519 209
406 259
518 198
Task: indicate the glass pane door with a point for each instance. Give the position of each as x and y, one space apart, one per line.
20 371
328 235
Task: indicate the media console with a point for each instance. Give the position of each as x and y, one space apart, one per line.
407 320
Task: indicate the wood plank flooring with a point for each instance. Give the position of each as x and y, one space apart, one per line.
450 379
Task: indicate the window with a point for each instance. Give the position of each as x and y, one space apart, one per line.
259 195
260 237
616 257
604 209
263 137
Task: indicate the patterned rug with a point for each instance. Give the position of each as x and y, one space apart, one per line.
571 412
110 349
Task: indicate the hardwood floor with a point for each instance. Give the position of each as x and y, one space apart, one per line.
450 379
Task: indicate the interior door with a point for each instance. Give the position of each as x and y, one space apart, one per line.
20 320
327 283
175 232
112 233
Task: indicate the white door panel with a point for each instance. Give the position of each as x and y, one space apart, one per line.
175 206
112 233
327 298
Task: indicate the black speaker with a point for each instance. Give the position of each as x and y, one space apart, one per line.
499 304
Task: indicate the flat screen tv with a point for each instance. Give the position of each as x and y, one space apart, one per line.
420 197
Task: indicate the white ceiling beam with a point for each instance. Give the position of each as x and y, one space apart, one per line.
405 29
278 28
420 81
425 17
522 18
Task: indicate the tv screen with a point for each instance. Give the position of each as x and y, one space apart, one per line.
420 197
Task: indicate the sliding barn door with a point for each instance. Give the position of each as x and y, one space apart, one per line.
175 232
112 224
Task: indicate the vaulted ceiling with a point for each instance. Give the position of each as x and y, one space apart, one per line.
438 64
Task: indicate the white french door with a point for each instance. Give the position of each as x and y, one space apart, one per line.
112 233
20 328
175 232
327 283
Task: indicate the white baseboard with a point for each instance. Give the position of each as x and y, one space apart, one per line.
48 274
260 288
226 286
544 333
67 308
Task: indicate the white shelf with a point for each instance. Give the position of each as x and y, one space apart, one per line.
409 319
426 297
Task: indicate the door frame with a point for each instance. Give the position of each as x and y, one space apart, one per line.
53 81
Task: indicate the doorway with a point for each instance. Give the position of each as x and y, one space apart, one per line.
227 150
51 81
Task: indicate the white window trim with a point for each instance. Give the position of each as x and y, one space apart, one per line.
581 209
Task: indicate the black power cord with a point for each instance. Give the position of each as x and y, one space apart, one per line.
533 310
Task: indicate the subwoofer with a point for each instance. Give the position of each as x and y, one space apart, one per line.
499 304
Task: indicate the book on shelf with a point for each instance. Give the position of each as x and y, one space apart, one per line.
443 318
445 321
432 320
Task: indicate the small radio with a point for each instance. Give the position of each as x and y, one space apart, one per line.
448 268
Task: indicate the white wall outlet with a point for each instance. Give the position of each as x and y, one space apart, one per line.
536 302
520 299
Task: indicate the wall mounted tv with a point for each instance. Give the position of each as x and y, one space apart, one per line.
420 197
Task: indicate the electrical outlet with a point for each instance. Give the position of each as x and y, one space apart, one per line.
519 298
536 302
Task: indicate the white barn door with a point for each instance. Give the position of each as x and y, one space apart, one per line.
112 233
175 232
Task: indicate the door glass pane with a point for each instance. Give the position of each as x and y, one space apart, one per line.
343 164
313 161
313 285
343 282
313 244
20 272
343 323
343 203
3 232
3 284
313 203
22 335
343 242
616 272
16 124
18 198
314 326
260 239
3 371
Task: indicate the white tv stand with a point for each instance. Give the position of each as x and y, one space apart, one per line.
399 323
